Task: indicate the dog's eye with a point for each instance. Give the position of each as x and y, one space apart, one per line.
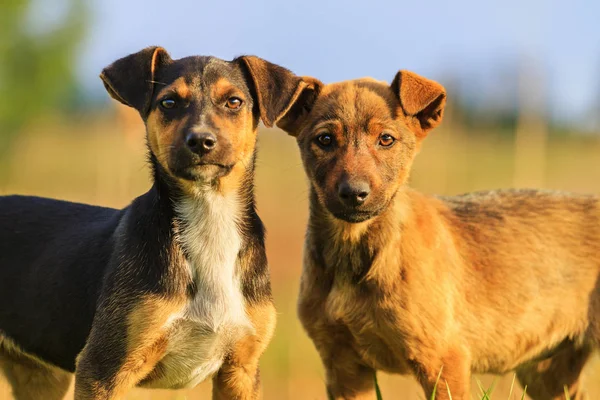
233 103
386 140
168 103
324 140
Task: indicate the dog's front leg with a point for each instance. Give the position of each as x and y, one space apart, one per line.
347 376
449 376
347 379
99 377
239 378
235 381
127 340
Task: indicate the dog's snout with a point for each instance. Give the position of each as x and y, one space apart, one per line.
354 193
201 143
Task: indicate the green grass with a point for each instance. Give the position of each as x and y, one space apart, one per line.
486 394
377 389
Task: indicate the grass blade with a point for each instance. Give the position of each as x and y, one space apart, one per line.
448 388
512 386
481 389
436 384
377 389
486 394
524 392
567 396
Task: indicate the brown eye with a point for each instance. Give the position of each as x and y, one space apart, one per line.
168 103
324 140
233 103
386 140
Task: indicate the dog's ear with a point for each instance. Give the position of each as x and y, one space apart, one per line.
420 98
281 95
292 120
130 79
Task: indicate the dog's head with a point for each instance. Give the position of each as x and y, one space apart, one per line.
201 113
358 138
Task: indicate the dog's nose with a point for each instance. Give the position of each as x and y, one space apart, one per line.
201 143
354 193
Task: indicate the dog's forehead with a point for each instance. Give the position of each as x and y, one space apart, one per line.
198 71
358 99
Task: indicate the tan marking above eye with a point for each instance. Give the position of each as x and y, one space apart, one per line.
177 89
233 103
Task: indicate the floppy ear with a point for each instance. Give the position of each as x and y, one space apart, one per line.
130 79
420 98
279 92
292 120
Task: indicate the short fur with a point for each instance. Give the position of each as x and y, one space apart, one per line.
407 283
172 289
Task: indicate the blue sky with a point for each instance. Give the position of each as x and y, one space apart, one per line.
336 40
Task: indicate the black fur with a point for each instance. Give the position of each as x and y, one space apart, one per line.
62 262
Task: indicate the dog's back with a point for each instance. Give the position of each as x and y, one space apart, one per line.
41 242
543 217
561 230
527 256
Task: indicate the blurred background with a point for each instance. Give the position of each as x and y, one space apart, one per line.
523 80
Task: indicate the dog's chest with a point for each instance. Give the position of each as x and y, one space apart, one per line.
372 326
200 337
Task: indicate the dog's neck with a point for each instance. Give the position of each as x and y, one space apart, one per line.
169 191
350 249
207 216
210 227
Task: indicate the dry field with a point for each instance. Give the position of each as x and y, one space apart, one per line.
100 160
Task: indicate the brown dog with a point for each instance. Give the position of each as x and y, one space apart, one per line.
174 288
398 281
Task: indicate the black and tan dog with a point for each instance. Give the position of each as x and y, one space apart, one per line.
175 287
398 281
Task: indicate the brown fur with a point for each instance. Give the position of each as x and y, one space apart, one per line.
146 342
414 284
239 378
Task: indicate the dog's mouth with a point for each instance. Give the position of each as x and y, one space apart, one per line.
226 167
357 214
351 214
354 216
203 171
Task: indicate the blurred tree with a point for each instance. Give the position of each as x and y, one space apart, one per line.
37 72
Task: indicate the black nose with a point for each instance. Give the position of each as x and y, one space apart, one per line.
353 193
201 143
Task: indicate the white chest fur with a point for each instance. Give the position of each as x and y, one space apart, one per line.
216 317
209 234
